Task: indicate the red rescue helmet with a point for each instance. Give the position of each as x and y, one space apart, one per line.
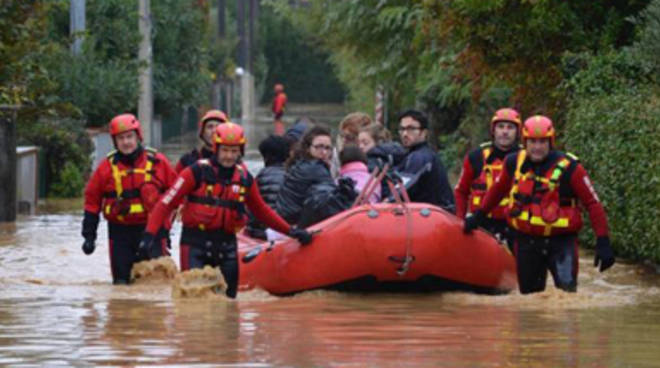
279 88
210 115
229 134
506 114
123 123
539 126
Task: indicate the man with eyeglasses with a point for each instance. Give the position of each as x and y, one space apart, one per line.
432 185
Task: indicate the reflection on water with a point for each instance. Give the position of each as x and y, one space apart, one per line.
58 307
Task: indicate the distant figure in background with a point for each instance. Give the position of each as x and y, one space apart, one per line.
205 130
275 151
279 105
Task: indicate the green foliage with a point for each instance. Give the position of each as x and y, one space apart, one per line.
63 143
617 139
612 124
295 62
69 183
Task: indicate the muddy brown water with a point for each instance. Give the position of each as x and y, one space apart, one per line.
58 308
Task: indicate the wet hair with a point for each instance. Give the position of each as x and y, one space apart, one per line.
301 150
352 153
417 115
354 121
377 132
274 149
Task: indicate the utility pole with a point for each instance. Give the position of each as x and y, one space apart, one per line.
245 62
216 91
7 163
145 56
77 25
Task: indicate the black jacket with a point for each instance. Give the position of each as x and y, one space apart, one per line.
387 152
269 180
433 185
299 180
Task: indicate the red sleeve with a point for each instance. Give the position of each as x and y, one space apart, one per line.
500 188
462 189
179 167
263 213
183 185
581 185
94 189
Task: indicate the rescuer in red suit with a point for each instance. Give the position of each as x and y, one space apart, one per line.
125 187
215 194
544 186
481 167
278 107
205 129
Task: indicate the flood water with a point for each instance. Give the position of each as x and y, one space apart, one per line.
58 308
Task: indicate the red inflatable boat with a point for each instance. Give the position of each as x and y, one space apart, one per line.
408 247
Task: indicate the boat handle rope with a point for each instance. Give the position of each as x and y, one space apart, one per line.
409 258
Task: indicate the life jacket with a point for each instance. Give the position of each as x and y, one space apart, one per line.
214 205
127 201
535 206
490 170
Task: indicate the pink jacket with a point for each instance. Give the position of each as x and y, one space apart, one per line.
359 172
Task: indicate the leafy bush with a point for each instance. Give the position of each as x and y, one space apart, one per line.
69 182
612 124
618 139
64 143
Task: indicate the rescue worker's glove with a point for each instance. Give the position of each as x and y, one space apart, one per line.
144 248
303 236
88 246
472 221
604 254
89 225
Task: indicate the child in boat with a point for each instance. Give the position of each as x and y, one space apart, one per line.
354 165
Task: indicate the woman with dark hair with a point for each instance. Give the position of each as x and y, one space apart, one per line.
308 166
308 186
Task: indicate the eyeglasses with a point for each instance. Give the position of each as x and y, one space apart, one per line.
323 147
408 129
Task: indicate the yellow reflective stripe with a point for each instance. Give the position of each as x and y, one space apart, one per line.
147 170
116 174
504 202
107 209
476 201
561 222
136 208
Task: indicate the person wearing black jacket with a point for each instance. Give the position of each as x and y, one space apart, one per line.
432 186
275 151
308 177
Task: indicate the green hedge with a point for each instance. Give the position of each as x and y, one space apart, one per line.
617 138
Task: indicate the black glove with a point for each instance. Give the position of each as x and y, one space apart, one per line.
144 248
303 236
88 246
346 187
472 221
604 254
